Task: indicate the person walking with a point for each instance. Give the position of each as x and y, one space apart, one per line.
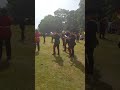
103 28
71 44
56 44
37 39
22 27
90 42
5 34
44 37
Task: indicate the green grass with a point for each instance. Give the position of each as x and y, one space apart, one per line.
51 73
59 73
107 60
56 73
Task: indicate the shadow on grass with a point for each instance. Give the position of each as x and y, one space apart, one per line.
4 66
96 84
58 60
77 64
109 40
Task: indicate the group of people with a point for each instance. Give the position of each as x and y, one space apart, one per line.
68 39
5 32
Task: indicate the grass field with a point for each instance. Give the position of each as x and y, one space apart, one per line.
107 61
59 72
20 73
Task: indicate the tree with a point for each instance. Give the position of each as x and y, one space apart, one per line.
81 14
62 13
72 21
64 20
50 24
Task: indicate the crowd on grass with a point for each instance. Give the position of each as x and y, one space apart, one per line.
69 40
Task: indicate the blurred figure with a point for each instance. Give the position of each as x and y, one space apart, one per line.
109 26
37 39
81 37
63 38
90 42
66 40
56 43
22 27
77 37
5 33
71 44
44 37
52 36
103 28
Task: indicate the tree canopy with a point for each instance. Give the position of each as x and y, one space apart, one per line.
64 20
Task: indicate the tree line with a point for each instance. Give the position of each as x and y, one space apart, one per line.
64 20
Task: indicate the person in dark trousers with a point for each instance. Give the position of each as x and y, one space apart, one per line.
52 35
78 36
63 38
90 42
103 28
66 40
5 33
22 27
71 44
37 39
44 37
56 43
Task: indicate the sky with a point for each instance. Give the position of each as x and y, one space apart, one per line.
45 7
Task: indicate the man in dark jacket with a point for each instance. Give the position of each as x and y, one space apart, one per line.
90 42
71 44
56 43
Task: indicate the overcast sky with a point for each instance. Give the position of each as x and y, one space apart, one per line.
45 7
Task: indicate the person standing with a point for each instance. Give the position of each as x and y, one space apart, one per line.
90 42
5 33
52 35
71 45
37 39
78 36
103 28
44 37
66 40
22 27
56 44
63 38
